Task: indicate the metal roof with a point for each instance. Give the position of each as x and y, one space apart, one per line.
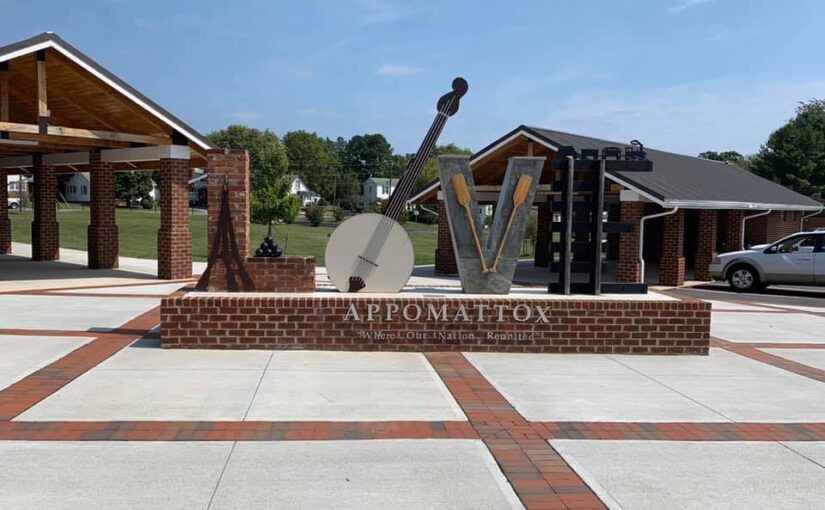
676 180
52 40
687 181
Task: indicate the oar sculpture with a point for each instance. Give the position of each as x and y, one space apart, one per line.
519 196
463 196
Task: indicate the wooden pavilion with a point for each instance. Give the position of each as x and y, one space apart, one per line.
60 111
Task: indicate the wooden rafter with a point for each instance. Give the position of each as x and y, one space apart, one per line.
114 136
4 91
42 98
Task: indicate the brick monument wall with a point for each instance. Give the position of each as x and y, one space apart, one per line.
278 274
414 323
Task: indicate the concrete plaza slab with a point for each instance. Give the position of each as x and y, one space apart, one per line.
112 475
22 355
697 475
736 387
70 313
151 384
812 357
345 386
398 474
564 387
769 327
720 306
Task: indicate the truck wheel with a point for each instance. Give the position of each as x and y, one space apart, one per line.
744 278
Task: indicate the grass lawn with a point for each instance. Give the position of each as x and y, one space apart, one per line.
138 234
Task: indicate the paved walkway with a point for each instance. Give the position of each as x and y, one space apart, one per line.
94 414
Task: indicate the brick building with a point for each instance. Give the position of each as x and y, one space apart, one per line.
61 112
692 208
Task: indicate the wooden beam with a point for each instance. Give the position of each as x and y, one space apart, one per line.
42 99
115 136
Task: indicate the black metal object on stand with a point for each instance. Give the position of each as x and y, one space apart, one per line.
581 209
225 249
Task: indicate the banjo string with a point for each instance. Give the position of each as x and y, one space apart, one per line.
364 264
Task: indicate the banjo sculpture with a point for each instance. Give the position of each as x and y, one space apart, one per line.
372 252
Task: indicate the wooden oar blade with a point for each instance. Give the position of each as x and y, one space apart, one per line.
522 189
462 193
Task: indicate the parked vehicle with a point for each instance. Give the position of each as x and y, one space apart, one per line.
798 259
14 204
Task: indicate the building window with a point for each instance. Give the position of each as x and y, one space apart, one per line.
84 190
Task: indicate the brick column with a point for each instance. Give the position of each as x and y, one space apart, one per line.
444 253
543 222
733 230
45 231
672 263
232 165
102 234
174 236
629 266
706 247
5 222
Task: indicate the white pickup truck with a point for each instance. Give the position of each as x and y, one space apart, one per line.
798 259
14 203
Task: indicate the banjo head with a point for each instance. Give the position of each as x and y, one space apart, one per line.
393 263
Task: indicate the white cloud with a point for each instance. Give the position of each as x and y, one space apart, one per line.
245 116
398 70
381 11
729 113
684 5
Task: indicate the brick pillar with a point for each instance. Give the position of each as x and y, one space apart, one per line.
629 266
543 223
444 253
233 165
733 231
174 236
45 231
672 263
102 235
5 223
706 247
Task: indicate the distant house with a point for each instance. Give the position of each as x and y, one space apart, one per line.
377 188
301 190
17 182
78 188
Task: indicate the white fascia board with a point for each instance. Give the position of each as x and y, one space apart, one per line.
509 139
137 154
754 206
25 51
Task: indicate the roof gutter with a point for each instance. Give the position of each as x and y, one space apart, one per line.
802 221
642 239
746 218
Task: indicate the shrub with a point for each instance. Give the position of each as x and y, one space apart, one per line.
315 215
404 217
338 214
147 203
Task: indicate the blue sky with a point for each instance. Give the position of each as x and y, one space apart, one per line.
681 75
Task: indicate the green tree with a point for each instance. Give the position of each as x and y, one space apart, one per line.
430 172
268 167
133 186
268 161
794 154
312 158
369 155
348 191
731 156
